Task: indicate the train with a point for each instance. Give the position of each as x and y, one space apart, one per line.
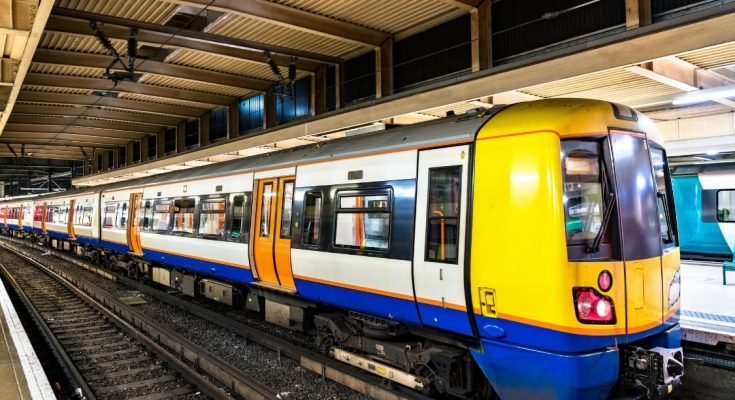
501 253
705 204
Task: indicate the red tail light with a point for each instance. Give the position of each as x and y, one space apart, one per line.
593 308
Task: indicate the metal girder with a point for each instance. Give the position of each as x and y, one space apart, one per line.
57 143
80 27
682 75
71 141
675 36
84 131
96 112
294 18
42 120
76 82
467 5
85 100
62 57
155 33
22 132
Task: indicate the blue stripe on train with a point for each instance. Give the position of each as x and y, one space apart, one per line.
445 318
517 371
13 226
207 268
58 235
28 228
120 248
87 241
369 303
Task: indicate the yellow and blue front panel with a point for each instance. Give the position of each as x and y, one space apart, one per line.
533 345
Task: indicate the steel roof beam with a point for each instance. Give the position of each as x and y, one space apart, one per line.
96 112
62 57
467 5
53 129
297 19
41 122
78 130
89 100
75 137
160 34
76 82
42 143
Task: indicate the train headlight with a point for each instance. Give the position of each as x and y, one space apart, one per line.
675 289
592 307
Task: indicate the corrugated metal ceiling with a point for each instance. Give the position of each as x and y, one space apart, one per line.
712 57
153 11
199 86
212 62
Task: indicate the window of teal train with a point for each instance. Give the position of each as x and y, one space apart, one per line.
442 228
726 205
663 197
583 190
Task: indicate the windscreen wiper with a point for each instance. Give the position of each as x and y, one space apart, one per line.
594 247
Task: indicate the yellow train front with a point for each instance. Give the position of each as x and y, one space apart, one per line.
574 261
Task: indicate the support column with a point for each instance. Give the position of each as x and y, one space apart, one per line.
161 143
339 80
129 154
320 89
233 119
204 129
105 160
637 13
384 69
270 109
144 149
180 132
481 36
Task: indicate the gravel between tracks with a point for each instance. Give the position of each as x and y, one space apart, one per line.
286 375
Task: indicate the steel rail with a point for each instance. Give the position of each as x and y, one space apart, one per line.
168 345
363 382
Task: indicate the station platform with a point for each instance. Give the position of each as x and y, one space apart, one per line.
707 306
21 373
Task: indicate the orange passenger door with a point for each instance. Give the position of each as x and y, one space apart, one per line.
133 229
70 220
272 239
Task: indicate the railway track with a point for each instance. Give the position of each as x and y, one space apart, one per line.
328 368
110 351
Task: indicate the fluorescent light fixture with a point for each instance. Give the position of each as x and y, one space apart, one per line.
700 96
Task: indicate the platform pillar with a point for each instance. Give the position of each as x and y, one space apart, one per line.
637 13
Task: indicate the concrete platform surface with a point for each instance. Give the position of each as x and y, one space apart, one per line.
707 306
21 374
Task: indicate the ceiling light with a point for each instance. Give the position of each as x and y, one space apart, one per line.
701 96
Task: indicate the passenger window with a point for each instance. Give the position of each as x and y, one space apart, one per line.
312 218
240 225
109 219
265 210
212 219
122 215
87 213
161 216
442 228
147 215
726 205
184 216
363 221
286 207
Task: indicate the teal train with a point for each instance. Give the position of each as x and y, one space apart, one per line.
705 210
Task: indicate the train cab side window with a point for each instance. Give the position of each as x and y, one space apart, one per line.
161 221
363 221
240 218
212 219
312 218
442 228
184 216
664 197
726 205
109 218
